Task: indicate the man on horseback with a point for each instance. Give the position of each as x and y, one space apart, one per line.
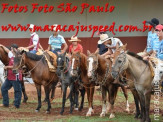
34 40
101 48
111 43
12 80
56 41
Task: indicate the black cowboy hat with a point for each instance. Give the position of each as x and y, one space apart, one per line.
153 22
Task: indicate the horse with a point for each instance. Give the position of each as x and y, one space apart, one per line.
99 68
5 60
2 73
63 72
40 73
79 68
129 79
139 70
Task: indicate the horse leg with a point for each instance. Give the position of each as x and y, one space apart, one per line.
91 97
24 92
88 96
82 98
142 104
47 92
71 97
76 97
38 87
136 100
126 96
104 102
113 89
64 89
147 106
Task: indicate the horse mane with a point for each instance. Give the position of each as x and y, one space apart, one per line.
35 57
137 56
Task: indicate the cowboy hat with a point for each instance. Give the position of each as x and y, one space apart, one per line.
54 27
74 39
104 38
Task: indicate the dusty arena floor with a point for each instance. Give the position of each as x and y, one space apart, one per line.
27 111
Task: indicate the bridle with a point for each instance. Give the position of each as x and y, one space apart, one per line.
122 63
21 60
77 67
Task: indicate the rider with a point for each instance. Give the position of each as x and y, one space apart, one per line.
159 30
34 40
13 80
75 46
101 48
111 43
56 41
151 34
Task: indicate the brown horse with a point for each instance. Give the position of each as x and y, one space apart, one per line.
99 68
79 68
5 60
39 72
140 71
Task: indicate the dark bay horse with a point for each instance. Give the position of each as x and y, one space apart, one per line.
79 68
39 72
5 60
63 71
142 75
99 68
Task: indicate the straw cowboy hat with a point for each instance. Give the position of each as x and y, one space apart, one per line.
74 39
31 26
104 38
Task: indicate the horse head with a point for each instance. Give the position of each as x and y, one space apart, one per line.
61 63
76 62
4 56
119 62
18 59
92 64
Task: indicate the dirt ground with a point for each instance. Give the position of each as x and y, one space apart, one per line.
30 106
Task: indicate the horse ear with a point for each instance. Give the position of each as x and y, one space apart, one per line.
88 52
97 52
125 46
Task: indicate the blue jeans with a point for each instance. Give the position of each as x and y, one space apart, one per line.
33 51
56 51
17 92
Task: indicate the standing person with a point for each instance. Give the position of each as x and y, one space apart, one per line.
13 80
151 34
34 40
75 46
56 41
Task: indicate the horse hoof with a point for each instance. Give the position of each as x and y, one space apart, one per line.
47 112
36 111
127 110
88 115
111 116
76 109
102 114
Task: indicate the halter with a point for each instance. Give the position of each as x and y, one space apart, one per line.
123 62
78 69
64 67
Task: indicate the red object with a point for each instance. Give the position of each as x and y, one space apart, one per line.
11 75
159 27
102 30
31 43
78 48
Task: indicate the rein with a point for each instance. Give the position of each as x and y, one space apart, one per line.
33 67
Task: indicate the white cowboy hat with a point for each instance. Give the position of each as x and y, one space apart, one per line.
54 27
104 38
31 26
74 39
